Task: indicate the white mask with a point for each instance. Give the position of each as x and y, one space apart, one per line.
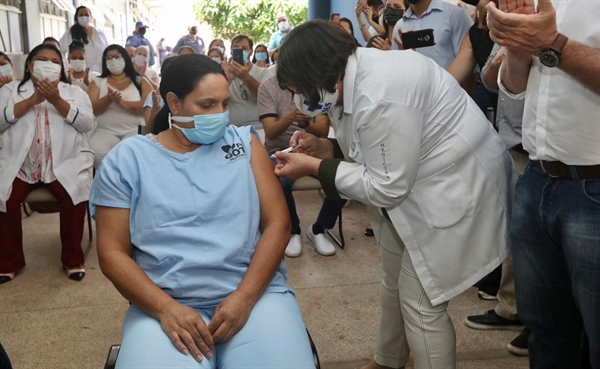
284 26
140 60
6 70
328 101
46 69
77 65
221 48
115 66
216 59
84 21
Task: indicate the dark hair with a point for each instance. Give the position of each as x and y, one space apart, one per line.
181 78
217 50
129 70
36 50
243 37
254 53
76 45
184 47
77 31
210 46
375 3
165 63
349 22
310 66
50 39
5 57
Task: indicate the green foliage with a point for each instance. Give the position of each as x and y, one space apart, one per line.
255 18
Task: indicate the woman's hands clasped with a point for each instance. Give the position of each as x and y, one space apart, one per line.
230 316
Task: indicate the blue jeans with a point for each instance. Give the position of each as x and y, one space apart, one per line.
329 210
555 242
274 337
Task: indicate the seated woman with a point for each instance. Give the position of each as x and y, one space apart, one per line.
192 227
43 122
79 74
216 54
261 56
117 97
6 69
154 102
140 62
217 43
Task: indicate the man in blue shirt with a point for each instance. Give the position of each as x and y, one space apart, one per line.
450 24
137 39
284 28
192 40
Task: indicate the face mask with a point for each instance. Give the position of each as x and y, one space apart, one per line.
221 48
46 69
208 128
414 1
327 102
262 56
84 21
392 16
216 59
6 70
142 31
77 65
194 31
140 60
115 66
284 26
246 56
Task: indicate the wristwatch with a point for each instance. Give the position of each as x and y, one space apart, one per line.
551 57
304 124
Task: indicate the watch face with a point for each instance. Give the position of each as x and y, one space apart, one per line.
549 58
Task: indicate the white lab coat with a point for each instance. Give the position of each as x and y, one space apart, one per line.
426 153
72 158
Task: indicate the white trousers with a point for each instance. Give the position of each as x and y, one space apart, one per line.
101 142
409 323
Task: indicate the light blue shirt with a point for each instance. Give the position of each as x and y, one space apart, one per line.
149 104
450 24
194 217
275 39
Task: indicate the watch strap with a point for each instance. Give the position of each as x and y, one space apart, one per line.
559 43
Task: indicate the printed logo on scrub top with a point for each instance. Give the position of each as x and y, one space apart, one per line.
323 109
234 152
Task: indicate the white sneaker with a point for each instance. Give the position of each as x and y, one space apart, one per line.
322 244
294 247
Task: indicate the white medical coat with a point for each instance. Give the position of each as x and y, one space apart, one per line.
72 158
426 153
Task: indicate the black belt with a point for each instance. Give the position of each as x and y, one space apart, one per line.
519 148
557 169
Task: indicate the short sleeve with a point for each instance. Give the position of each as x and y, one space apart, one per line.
148 103
114 183
266 104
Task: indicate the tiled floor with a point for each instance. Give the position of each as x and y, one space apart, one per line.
48 321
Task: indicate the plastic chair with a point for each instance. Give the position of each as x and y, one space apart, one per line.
311 184
43 195
113 353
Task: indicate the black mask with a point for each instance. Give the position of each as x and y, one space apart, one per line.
142 30
414 1
194 30
392 16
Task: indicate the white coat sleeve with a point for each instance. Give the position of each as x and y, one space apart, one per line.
81 115
390 139
7 110
64 42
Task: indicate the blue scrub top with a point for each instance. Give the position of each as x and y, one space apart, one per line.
194 217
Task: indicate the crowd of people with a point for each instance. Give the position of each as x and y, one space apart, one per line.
195 216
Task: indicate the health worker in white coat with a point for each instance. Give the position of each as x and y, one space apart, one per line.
425 155
43 122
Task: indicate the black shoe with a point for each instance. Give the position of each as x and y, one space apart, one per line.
490 320
369 232
5 278
519 346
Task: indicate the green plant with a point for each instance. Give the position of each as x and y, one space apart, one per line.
255 18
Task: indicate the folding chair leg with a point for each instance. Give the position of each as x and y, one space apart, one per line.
27 211
90 234
340 241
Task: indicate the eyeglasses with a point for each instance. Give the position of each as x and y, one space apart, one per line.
113 57
244 93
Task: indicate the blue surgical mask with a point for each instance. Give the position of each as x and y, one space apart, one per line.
208 128
261 56
246 54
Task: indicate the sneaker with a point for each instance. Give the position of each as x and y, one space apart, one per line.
490 320
485 296
294 247
322 244
519 346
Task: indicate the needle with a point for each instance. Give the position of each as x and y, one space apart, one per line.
289 149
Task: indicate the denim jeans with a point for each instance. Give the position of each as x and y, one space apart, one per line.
327 216
555 241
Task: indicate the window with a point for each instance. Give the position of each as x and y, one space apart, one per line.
11 38
52 26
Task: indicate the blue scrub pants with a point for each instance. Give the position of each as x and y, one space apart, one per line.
274 337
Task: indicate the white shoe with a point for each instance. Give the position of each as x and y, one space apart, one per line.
322 244
294 247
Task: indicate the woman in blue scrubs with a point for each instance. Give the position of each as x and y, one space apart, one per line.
192 227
